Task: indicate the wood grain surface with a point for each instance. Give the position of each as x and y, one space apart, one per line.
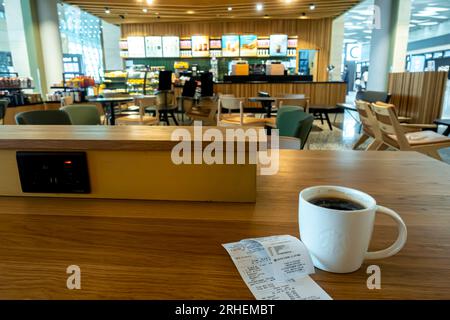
418 95
172 250
121 138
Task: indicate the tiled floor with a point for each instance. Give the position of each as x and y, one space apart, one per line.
344 135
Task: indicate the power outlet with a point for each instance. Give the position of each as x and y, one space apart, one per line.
53 172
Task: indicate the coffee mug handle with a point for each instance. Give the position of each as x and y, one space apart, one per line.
398 244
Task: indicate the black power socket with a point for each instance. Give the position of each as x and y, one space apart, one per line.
53 172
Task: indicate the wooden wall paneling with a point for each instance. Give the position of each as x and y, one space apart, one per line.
418 95
312 34
328 94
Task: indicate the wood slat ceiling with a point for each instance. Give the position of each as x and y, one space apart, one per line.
210 10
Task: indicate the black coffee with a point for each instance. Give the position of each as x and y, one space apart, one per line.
337 204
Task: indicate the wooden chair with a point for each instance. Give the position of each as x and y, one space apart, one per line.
141 118
298 100
394 134
369 125
204 111
230 119
289 100
166 105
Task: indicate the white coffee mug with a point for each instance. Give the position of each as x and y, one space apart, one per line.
338 240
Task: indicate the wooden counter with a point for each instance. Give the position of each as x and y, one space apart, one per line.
320 93
172 250
131 162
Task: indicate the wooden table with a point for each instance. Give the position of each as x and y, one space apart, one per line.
172 250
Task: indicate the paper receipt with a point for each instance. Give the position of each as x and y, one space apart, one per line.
276 268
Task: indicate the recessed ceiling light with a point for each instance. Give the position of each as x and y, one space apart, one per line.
190 12
107 11
145 10
312 6
149 1
230 9
259 6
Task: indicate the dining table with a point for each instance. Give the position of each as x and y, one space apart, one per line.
130 249
266 103
108 105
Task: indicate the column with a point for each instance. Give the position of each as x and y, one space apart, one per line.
389 41
337 43
47 16
16 37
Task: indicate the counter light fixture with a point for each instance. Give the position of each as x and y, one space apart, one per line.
107 11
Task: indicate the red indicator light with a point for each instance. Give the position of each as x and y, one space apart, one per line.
68 162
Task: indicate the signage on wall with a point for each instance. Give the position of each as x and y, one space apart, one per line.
171 47
153 47
136 47
200 46
230 46
354 51
249 45
278 45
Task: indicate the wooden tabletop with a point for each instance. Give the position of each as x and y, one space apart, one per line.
124 138
111 99
172 250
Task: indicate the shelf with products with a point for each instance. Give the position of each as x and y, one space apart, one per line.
143 80
115 81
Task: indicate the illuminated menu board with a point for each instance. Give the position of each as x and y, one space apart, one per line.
153 47
185 44
200 46
249 45
215 43
136 47
230 46
171 47
278 45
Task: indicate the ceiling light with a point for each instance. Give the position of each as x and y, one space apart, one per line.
190 12
312 6
149 1
107 11
259 6
230 9
145 10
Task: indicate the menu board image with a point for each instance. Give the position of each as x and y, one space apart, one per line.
153 47
249 45
171 47
185 44
215 44
230 46
200 46
278 45
136 47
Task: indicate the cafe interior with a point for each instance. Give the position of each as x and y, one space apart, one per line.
146 144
